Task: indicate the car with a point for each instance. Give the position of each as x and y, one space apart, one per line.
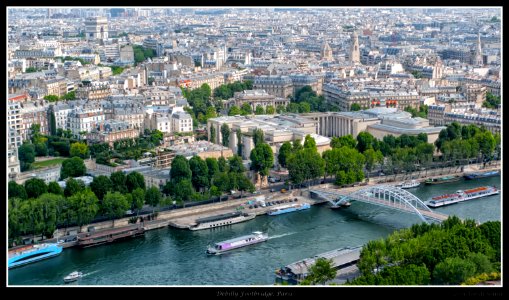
272 190
283 191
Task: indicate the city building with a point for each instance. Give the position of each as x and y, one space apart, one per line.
110 131
255 98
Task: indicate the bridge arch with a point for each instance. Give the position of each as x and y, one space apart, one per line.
395 196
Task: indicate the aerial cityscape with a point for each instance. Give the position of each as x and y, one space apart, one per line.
254 146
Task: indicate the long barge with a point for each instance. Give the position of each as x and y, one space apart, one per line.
110 235
297 271
222 220
477 175
461 196
440 180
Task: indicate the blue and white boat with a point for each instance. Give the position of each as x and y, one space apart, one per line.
481 174
288 208
29 254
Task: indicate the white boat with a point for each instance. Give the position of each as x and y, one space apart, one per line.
73 276
221 247
409 184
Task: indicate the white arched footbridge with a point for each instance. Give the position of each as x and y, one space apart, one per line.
385 196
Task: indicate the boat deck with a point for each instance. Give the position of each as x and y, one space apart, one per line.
339 257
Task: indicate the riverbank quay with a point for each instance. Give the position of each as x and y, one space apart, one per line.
184 217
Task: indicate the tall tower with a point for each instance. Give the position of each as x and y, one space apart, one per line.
478 61
326 52
354 51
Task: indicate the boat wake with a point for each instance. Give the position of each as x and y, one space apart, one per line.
86 274
281 235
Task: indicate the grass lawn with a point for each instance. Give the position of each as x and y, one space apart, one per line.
47 163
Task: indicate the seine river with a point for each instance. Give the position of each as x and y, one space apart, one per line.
170 256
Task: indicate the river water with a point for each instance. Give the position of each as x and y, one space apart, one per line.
169 256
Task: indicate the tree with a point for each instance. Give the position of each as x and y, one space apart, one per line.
245 109
180 169
305 164
235 164
355 107
262 159
101 185
222 181
72 167
304 107
16 190
321 271
41 149
453 270
297 145
234 111
115 205
153 197
280 109
258 136
54 188
284 152
259 110
73 186
212 134
225 132
486 143
118 182
183 190
365 141
309 143
134 180
372 158
35 187
212 167
31 70
293 107
26 155
138 199
270 110
69 96
51 98
79 149
346 140
200 173
85 205
222 164
244 184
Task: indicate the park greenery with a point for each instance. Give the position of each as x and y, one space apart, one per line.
422 112
492 101
54 98
141 53
116 70
452 253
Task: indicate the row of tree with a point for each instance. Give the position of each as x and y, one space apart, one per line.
34 205
445 254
